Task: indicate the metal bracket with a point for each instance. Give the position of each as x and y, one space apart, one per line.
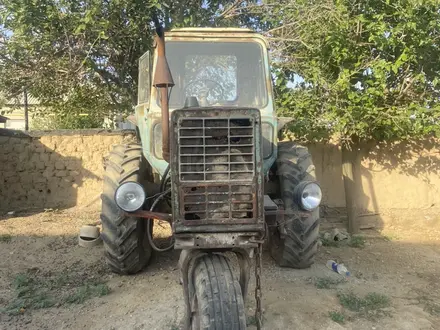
280 216
210 241
150 215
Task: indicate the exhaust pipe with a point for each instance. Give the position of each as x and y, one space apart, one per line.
162 81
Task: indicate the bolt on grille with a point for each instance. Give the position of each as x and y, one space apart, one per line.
216 168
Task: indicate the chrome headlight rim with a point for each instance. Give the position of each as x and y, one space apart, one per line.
300 199
136 189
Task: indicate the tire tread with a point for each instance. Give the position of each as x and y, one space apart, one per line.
126 248
300 244
219 296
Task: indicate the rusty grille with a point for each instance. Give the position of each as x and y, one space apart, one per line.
217 169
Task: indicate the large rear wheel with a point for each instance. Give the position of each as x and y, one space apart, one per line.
295 242
127 249
217 298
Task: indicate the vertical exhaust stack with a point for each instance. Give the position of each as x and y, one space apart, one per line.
162 81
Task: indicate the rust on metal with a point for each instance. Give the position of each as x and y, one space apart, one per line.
165 124
163 80
216 240
216 167
151 215
215 228
162 74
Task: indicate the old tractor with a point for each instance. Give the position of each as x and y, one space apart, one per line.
208 162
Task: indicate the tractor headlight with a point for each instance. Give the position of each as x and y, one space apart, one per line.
130 196
308 195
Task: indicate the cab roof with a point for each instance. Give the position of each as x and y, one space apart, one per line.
209 32
213 30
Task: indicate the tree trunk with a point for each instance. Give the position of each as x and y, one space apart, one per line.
26 111
350 171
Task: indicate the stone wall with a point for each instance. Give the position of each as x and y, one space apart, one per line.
56 169
402 175
60 169
398 182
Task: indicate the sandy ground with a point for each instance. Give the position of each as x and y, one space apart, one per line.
401 263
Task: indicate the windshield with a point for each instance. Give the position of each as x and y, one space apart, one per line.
217 73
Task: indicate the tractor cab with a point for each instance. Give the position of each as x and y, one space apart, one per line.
210 67
218 67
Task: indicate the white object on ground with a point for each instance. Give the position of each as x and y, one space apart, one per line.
89 236
338 268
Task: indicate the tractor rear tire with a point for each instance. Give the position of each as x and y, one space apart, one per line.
298 247
127 249
218 300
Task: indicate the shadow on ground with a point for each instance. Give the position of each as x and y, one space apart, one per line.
399 265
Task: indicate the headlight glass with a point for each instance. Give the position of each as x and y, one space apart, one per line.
130 196
310 195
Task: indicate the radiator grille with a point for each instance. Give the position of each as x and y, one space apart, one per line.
217 168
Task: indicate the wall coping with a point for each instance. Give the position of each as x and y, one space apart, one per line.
64 132
14 133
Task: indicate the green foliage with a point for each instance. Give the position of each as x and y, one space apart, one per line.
372 301
28 295
361 70
251 320
32 291
391 237
5 238
48 121
327 282
370 69
357 241
329 242
337 317
81 57
88 291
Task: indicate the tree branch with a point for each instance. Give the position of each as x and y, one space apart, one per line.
232 7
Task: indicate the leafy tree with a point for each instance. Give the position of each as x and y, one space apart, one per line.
81 57
363 71
369 70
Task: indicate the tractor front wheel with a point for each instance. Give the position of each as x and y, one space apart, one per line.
217 302
127 249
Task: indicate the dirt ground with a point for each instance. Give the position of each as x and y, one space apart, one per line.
40 258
